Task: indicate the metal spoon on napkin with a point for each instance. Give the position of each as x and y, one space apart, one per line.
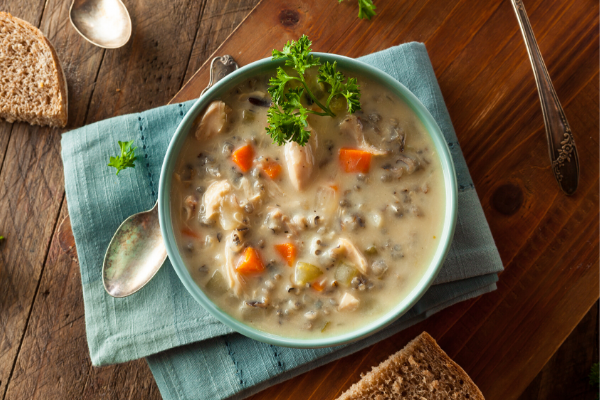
561 145
137 251
104 23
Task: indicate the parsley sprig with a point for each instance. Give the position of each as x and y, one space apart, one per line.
287 116
126 159
366 9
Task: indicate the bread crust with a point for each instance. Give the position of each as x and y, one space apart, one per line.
434 369
60 119
63 116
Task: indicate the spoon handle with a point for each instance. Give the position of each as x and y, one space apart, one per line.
561 145
220 67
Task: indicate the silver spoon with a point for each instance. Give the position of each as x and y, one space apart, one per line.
561 145
104 23
137 251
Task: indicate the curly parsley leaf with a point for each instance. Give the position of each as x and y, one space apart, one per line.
352 94
287 115
126 159
595 376
329 74
297 55
366 9
288 123
277 85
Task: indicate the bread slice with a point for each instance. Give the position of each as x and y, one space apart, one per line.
420 371
32 83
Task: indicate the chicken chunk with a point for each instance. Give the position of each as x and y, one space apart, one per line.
214 196
253 196
353 126
348 303
300 161
189 205
213 121
345 248
220 201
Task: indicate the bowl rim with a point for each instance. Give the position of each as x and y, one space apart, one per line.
445 238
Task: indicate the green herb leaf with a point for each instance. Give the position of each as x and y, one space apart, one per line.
366 9
298 55
595 376
1 237
277 85
288 123
328 74
287 115
126 159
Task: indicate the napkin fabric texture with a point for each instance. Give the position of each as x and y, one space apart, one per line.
191 354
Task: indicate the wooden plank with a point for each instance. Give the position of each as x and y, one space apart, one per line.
147 71
31 188
566 374
53 361
219 20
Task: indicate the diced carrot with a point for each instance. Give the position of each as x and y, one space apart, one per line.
250 262
319 285
243 157
188 232
334 187
287 251
354 160
272 169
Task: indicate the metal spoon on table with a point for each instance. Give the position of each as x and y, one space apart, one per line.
105 23
137 251
561 145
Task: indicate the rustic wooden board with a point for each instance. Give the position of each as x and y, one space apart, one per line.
549 243
566 375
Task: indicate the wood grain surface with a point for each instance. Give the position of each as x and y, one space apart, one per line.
548 242
566 375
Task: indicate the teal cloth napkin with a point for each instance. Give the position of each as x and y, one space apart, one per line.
191 354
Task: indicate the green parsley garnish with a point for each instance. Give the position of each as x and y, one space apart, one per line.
1 237
366 9
287 115
126 159
595 377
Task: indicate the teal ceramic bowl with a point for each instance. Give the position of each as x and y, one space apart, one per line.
352 66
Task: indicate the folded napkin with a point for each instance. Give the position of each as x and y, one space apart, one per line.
191 354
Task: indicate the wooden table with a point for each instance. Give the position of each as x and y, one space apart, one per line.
548 242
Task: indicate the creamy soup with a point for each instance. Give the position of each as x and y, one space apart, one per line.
310 241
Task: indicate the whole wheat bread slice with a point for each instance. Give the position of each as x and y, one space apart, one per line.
420 371
32 83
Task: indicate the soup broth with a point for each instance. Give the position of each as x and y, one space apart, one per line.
309 241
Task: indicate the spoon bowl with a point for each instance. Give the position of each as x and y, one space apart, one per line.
104 23
135 254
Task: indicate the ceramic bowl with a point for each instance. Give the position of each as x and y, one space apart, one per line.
354 67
